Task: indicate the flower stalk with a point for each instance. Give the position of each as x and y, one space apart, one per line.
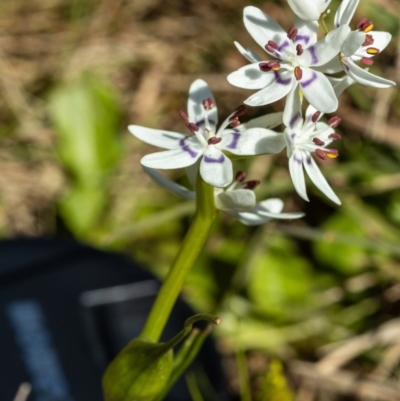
190 250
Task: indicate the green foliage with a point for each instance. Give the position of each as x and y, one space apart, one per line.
86 118
274 386
280 278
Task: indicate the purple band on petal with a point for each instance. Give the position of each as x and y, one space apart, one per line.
212 160
280 80
294 119
309 81
300 161
283 46
302 38
235 140
314 58
201 122
186 148
308 160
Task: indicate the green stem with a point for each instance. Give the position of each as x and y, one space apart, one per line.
188 253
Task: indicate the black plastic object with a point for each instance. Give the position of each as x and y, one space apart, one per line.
66 310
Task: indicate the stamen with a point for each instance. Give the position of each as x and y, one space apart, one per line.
335 137
208 104
318 142
334 121
192 126
369 40
240 176
315 116
251 184
234 121
270 65
365 25
332 153
366 60
214 140
298 73
271 46
372 50
292 33
240 111
321 154
299 49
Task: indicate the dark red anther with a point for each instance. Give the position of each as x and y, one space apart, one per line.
292 33
318 142
240 176
366 61
298 73
240 111
251 184
369 40
214 140
335 137
315 116
193 127
321 154
234 122
362 23
271 46
299 49
208 104
334 121
268 66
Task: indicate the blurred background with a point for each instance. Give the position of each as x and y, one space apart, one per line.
321 294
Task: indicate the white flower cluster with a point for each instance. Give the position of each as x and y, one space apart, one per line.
298 70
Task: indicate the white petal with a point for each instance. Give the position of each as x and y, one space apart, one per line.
162 139
297 174
319 180
192 171
272 205
216 168
262 27
325 49
331 67
309 10
175 158
247 53
364 77
198 92
250 218
270 120
345 12
306 32
238 200
292 115
250 77
282 216
381 40
280 87
170 185
353 42
318 91
254 141
341 84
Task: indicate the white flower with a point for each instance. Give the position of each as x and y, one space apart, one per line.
238 200
360 46
206 143
309 10
297 52
304 137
